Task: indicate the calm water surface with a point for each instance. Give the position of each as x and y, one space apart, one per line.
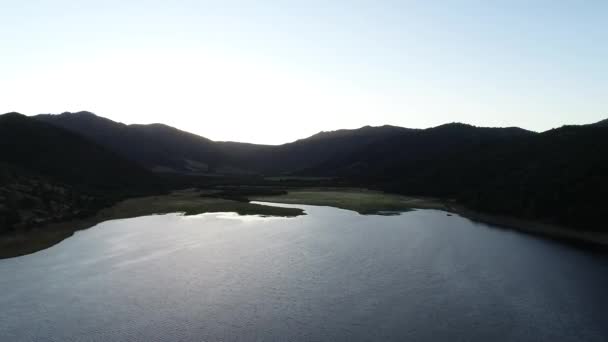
332 275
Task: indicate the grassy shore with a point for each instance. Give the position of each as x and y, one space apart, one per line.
188 202
365 202
373 202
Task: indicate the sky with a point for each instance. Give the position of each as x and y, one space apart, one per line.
276 71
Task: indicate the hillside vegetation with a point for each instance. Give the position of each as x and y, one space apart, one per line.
49 174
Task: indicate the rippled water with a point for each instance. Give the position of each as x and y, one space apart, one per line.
332 275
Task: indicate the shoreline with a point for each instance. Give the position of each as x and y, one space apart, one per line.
189 202
531 227
537 228
365 202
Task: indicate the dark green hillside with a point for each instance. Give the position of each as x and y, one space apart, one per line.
28 199
157 147
166 149
304 153
558 176
48 174
66 156
415 149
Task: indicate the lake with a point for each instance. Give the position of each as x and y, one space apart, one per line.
331 275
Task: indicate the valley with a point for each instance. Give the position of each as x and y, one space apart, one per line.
61 173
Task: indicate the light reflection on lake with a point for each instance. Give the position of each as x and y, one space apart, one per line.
331 275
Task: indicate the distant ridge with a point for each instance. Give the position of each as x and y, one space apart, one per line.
48 173
165 149
155 146
365 130
63 155
603 123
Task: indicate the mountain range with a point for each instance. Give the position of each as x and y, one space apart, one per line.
556 176
48 173
166 149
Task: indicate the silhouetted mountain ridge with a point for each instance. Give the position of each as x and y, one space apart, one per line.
155 146
603 123
556 176
61 154
49 173
163 148
365 130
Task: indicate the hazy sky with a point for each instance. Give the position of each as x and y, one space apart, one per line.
275 71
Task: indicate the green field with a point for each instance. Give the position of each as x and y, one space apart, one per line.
188 202
362 201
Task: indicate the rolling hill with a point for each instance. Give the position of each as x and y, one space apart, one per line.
165 149
157 147
50 173
558 176
297 156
